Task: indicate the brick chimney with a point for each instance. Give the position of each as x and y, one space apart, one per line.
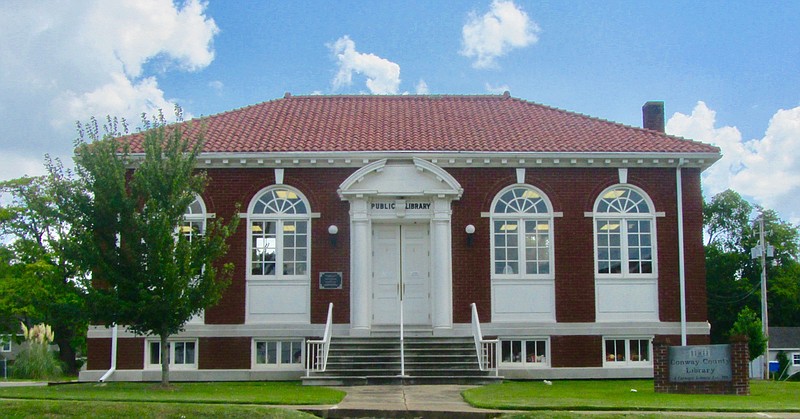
653 116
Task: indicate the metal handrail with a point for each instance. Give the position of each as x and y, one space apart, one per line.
317 350
485 349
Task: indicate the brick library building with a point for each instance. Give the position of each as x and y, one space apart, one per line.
544 243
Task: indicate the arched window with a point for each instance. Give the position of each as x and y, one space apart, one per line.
522 234
624 222
279 234
194 220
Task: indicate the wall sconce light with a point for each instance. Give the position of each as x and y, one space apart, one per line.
332 232
470 229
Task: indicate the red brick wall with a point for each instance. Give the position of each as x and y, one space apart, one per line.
572 191
130 354
227 187
576 351
224 353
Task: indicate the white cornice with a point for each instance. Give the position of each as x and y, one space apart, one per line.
454 159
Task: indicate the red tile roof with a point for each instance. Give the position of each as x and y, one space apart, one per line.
425 123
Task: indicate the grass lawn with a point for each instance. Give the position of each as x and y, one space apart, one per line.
90 409
617 395
286 393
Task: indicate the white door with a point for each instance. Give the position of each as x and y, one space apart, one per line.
400 269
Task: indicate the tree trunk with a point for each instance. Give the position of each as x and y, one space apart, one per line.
164 361
66 353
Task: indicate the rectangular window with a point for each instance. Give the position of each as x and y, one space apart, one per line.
295 247
537 247
626 352
640 250
5 344
279 353
180 354
264 245
506 247
796 359
609 247
524 352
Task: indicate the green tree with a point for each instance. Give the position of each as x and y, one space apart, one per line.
733 278
39 282
748 324
146 276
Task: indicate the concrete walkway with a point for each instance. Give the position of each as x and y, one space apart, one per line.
404 401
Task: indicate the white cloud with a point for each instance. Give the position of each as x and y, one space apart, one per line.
496 90
216 86
421 88
766 169
66 61
383 76
490 36
13 166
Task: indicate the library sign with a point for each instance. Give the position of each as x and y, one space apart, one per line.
399 208
700 363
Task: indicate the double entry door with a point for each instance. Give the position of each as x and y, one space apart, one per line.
401 273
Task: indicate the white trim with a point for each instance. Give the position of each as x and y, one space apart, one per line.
278 176
452 159
524 364
149 365
627 363
650 216
681 257
302 282
278 366
622 173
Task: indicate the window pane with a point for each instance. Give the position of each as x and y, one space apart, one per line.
639 250
263 243
272 353
155 353
179 353
505 351
516 351
286 352
261 352
190 352
297 352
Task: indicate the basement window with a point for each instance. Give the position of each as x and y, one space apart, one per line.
626 352
524 352
182 354
278 353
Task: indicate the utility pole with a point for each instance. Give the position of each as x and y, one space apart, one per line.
764 249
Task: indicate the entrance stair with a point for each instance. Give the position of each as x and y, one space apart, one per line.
376 360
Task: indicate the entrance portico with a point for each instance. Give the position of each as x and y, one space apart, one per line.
400 244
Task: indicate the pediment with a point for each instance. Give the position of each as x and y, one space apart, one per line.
415 177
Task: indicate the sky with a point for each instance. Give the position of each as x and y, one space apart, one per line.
728 71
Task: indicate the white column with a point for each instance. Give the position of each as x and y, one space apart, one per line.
441 265
359 267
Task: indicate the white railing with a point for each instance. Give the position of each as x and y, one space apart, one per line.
317 350
486 349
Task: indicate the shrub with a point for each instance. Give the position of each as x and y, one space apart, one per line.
35 361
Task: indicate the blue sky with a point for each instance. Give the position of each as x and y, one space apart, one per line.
729 72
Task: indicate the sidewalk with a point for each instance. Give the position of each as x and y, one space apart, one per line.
4 383
400 401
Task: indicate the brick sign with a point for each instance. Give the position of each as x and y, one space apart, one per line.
700 363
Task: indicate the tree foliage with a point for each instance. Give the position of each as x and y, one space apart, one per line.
748 324
127 213
734 278
39 281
